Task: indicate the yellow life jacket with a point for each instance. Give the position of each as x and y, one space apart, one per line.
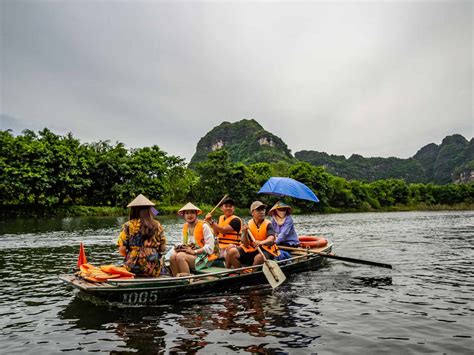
198 237
260 233
230 237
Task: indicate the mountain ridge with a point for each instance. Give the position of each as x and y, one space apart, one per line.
258 145
451 161
248 142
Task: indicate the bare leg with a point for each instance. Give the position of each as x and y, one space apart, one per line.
174 264
232 258
258 259
185 262
227 257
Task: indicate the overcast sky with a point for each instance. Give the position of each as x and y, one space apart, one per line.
372 78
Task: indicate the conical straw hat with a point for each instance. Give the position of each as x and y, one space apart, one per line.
280 206
139 201
189 207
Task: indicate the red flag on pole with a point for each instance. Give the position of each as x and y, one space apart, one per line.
82 257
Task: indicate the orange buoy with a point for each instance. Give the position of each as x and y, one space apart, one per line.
310 241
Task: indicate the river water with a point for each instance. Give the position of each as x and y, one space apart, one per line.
425 304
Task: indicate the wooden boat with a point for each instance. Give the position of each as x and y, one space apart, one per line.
145 291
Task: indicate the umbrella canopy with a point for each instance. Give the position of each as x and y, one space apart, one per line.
282 186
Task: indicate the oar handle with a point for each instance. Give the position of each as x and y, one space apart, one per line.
258 247
219 203
334 256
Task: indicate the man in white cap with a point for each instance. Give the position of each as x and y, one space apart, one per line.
197 247
264 235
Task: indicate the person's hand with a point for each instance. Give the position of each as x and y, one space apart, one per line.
208 218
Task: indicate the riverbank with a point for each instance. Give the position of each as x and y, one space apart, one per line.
169 210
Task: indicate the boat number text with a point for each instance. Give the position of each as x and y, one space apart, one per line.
140 297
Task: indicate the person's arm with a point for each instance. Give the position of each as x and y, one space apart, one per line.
122 250
245 238
122 240
214 226
270 239
163 242
221 229
208 241
235 225
285 230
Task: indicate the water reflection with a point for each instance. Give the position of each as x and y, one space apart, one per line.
48 225
138 328
255 320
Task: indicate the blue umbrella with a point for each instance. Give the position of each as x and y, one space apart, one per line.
282 186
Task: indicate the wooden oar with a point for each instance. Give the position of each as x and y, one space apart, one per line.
334 256
218 204
270 268
222 199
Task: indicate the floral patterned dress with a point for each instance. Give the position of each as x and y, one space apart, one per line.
143 256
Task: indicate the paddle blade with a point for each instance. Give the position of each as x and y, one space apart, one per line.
273 273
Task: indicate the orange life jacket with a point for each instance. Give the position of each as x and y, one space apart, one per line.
198 233
260 233
198 236
230 237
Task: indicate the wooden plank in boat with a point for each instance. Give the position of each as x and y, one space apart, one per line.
321 249
83 284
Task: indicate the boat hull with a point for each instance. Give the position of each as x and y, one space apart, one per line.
158 290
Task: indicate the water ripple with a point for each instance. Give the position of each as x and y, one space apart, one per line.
425 304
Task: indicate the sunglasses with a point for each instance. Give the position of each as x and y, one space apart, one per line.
261 208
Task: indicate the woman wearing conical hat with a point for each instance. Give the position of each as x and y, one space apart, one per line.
198 244
142 240
283 225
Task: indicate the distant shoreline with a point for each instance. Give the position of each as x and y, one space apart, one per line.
106 211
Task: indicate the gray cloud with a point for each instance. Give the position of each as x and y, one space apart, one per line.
373 78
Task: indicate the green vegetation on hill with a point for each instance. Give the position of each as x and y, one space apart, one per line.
246 141
451 155
366 169
218 175
43 173
441 164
